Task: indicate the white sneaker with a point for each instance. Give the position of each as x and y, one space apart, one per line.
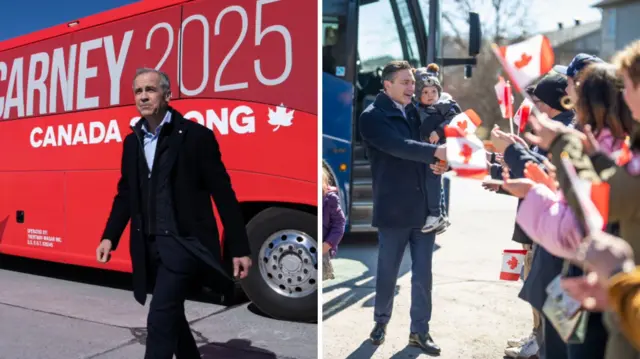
527 351
432 223
518 342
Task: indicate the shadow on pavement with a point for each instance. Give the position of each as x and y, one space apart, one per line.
86 275
409 352
362 248
235 348
365 350
255 310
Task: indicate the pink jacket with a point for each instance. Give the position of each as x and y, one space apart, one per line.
545 217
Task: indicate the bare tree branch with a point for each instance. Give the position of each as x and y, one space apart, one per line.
457 38
509 21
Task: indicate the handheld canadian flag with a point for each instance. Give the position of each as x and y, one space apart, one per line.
592 197
623 155
527 60
521 118
512 262
505 97
465 153
468 121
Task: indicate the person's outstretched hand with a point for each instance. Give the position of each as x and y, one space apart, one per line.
546 130
501 140
606 254
533 172
588 290
517 187
591 145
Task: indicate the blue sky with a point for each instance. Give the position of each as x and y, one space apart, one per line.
19 17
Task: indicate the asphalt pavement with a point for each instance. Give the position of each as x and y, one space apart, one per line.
52 311
474 313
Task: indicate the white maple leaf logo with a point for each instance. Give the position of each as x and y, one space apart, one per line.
280 117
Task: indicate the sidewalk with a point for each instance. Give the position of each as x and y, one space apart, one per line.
474 313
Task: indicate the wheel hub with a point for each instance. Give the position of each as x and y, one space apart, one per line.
289 263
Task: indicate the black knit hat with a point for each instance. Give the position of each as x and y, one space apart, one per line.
551 89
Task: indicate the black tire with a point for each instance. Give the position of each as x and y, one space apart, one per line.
268 300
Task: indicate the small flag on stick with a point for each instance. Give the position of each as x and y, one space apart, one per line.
465 153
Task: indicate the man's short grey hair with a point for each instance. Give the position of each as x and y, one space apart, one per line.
165 83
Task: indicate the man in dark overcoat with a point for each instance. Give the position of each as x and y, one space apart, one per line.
171 167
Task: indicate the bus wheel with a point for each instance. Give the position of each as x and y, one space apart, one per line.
283 280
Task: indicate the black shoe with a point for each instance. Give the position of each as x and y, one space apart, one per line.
424 342
378 333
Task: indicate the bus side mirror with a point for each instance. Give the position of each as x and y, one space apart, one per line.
475 34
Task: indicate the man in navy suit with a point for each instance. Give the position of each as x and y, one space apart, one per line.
390 128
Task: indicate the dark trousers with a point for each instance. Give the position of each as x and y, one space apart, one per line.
593 347
435 196
391 246
551 346
172 270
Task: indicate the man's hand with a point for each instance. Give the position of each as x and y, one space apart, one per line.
441 152
434 138
439 168
103 252
500 139
241 266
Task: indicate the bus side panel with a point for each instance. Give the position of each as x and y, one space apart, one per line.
82 141
337 109
36 61
126 41
37 197
89 197
250 142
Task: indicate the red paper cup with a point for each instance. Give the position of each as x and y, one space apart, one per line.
512 262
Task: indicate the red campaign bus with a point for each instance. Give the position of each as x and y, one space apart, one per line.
245 68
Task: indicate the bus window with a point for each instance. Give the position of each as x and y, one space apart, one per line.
333 39
378 40
413 55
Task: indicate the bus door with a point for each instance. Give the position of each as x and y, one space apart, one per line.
339 31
